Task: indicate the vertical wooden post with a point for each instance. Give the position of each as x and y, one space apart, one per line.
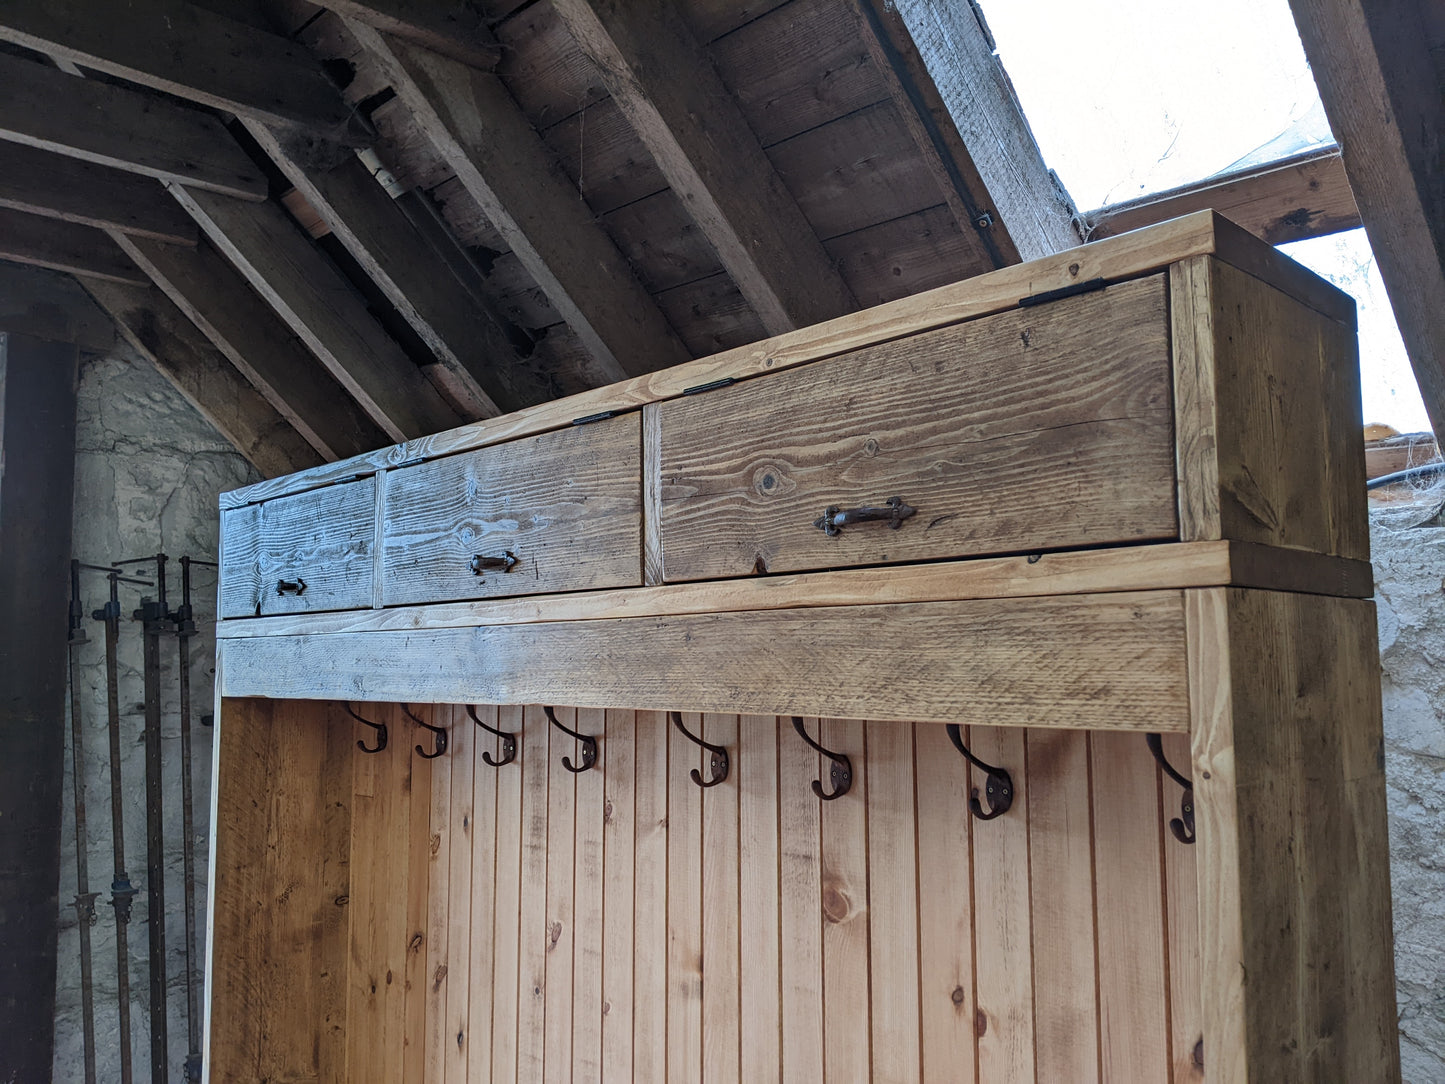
1294 880
37 476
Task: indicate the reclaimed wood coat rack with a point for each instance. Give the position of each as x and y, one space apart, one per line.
1029 518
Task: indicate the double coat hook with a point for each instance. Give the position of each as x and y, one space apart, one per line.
380 729
439 735
998 785
507 742
1183 825
717 761
589 745
840 771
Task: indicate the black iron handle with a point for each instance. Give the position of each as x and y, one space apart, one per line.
289 587
893 512
505 563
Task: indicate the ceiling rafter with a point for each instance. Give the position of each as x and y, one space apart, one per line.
64 246
160 332
193 53
215 298
283 265
454 30
466 338
503 164
53 186
956 48
1381 86
667 88
98 122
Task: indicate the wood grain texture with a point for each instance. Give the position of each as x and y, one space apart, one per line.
322 309
460 33
469 115
852 927
685 963
566 504
97 122
759 900
1181 904
323 538
721 907
992 430
560 930
800 906
1379 82
1061 894
189 51
661 79
215 297
651 496
1293 867
1173 565
1107 661
650 899
1116 258
587 904
1263 383
507 913
1306 195
530 996
55 186
65 246
619 829
161 333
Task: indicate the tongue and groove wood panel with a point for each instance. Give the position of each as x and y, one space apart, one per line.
663 928
1035 429
566 504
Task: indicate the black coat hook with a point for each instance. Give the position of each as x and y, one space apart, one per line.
439 734
840 772
717 762
998 785
508 742
589 745
380 729
1183 825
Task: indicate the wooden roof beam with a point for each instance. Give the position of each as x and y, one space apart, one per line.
51 305
1306 195
456 30
160 332
959 55
130 130
467 339
193 53
1381 89
323 310
53 186
213 296
503 164
666 87
64 246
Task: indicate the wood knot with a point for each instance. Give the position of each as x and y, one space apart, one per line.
554 934
607 811
958 996
980 1023
438 976
836 904
436 843
417 940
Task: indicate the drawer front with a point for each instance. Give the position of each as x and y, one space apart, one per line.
323 540
1036 429
563 510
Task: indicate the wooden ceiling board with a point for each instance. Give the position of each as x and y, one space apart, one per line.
545 70
904 256
599 150
710 315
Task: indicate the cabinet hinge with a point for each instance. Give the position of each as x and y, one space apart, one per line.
600 416
712 385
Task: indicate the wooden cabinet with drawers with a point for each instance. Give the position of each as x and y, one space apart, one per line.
1113 493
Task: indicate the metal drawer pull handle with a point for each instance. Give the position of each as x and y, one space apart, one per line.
893 513
1183 825
998 785
504 563
286 587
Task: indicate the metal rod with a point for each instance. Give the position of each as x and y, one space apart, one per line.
84 897
185 629
121 890
155 622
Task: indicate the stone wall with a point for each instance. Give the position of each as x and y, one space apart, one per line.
148 469
1408 550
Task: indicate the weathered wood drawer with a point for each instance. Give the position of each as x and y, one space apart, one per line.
300 554
1037 428
556 512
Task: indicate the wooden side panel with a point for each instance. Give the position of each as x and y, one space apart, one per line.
567 505
991 430
1106 661
1269 431
524 922
1296 945
323 538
